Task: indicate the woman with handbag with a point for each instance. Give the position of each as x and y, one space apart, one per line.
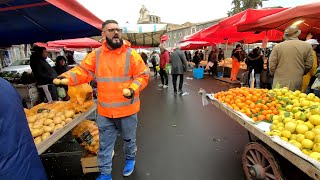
178 67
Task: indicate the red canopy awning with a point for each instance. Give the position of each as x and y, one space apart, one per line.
190 45
226 30
309 14
75 43
52 49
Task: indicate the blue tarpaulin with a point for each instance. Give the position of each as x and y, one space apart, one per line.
29 21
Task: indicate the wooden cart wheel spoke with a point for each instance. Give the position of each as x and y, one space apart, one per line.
263 161
251 160
270 176
253 155
259 164
267 168
259 157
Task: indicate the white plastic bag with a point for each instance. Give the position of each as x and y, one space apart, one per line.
316 84
203 93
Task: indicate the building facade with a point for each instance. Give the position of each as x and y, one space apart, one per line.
176 35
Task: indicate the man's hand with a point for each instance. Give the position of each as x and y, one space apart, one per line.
129 94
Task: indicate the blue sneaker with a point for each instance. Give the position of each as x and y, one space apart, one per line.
129 167
104 177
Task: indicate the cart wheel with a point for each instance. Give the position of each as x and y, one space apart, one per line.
259 163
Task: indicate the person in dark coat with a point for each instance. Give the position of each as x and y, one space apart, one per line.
71 60
61 65
220 54
255 62
19 159
196 59
43 72
144 56
189 56
178 67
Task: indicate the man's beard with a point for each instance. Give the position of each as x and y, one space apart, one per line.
114 45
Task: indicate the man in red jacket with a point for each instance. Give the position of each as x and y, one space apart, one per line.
164 60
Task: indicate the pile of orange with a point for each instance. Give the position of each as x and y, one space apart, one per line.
255 103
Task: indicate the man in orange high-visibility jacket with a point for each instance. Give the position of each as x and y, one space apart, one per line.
116 67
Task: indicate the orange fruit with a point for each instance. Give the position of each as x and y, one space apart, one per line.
255 119
261 117
275 112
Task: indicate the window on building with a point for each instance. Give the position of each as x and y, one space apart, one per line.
169 29
193 30
180 34
169 44
186 33
154 19
169 36
150 18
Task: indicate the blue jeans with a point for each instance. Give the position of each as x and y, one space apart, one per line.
108 132
257 79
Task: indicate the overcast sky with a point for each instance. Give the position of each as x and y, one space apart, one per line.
171 11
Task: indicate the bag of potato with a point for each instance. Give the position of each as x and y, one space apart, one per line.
87 134
81 93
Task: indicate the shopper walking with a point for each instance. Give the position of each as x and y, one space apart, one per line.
164 60
178 67
290 60
255 62
155 59
117 69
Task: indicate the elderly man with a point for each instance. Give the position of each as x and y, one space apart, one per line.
178 67
290 60
121 75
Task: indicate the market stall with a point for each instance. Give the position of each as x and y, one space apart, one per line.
285 121
144 34
75 43
29 22
305 16
49 122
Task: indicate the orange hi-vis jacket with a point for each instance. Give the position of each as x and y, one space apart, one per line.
113 70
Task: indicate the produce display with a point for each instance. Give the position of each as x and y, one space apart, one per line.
45 119
295 116
87 134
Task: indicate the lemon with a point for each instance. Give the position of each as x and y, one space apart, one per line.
286 134
315 155
307 144
275 133
306 151
301 128
292 141
309 125
298 145
296 104
300 137
317 139
280 124
299 122
309 135
285 139
315 119
293 137
316 147
291 126
316 131
273 127
275 121
305 103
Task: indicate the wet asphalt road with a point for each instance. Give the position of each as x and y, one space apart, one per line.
177 138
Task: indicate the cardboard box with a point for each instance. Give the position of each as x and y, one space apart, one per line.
89 163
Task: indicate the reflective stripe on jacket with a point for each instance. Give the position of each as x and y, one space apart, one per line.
113 70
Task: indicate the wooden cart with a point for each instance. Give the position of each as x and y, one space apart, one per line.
258 162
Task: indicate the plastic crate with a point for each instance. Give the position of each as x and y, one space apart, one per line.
198 73
27 91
